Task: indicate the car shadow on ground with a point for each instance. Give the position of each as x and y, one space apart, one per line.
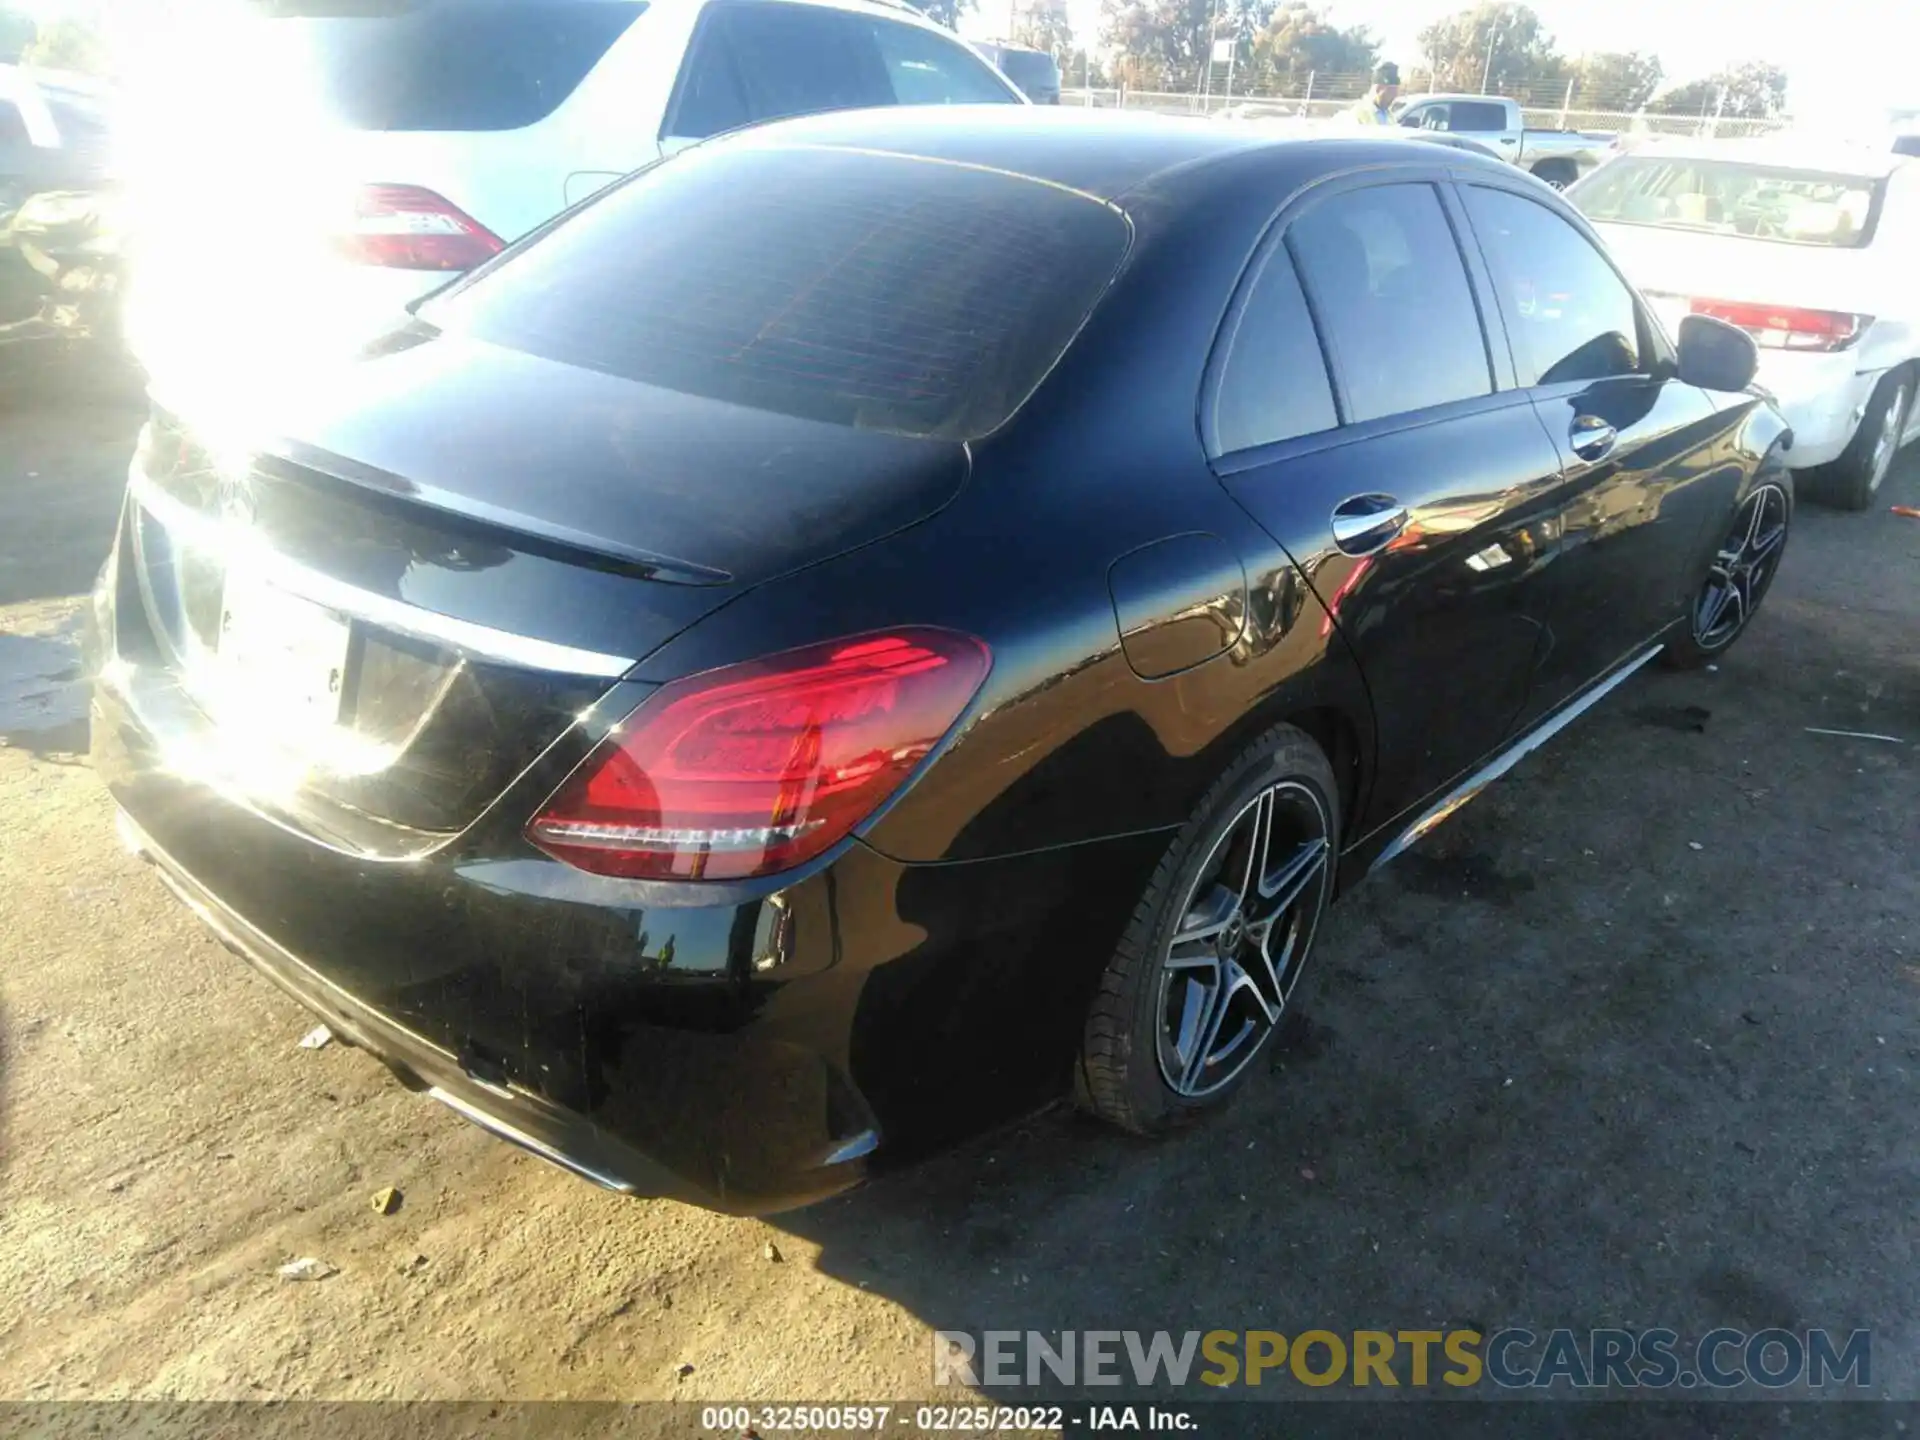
1631 1041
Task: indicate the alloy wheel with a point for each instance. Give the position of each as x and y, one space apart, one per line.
1245 929
1886 443
1743 567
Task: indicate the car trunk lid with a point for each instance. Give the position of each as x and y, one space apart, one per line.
398 605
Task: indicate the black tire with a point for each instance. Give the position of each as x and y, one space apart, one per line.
1125 1048
1711 631
1557 173
1851 482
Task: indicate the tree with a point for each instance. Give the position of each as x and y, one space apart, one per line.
1160 41
1043 25
942 12
1618 80
1754 91
1499 46
67 44
1298 41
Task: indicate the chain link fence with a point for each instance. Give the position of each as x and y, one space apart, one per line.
1323 97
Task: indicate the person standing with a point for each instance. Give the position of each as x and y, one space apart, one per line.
1373 107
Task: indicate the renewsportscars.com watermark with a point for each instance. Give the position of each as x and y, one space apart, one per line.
1512 1359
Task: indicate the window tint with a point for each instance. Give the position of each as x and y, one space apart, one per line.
1568 313
1478 117
1426 117
925 69
871 290
1273 384
767 61
1388 284
1031 70
796 59
1906 145
710 99
470 65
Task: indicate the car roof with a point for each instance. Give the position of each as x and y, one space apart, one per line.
1786 152
1101 153
1455 95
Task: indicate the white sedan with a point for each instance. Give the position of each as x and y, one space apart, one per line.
1808 247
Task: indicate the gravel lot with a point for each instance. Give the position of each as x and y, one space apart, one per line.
1633 1042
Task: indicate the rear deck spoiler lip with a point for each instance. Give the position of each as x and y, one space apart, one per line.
515 524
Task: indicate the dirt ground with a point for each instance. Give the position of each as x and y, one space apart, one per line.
1632 1041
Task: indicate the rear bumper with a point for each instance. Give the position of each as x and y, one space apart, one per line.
1823 398
513 1115
744 1049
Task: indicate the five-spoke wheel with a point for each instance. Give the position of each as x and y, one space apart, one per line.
1743 568
1233 962
1216 947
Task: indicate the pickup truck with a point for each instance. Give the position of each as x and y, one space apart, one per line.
1558 157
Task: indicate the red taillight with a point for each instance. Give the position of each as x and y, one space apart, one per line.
414 229
755 768
1784 327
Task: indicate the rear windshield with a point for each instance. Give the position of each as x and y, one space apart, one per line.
1030 70
865 289
445 64
1721 197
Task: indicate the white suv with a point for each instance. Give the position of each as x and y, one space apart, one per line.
310 168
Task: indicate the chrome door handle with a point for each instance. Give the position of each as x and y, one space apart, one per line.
1591 437
1366 522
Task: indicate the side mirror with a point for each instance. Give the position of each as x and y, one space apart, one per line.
1715 355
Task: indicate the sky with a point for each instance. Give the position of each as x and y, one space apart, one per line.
1820 45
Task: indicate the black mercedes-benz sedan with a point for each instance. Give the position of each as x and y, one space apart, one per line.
883 620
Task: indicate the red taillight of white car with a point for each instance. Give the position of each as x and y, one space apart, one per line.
411 228
755 768
1786 327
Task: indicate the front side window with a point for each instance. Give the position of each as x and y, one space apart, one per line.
1273 382
1569 314
1426 117
1386 279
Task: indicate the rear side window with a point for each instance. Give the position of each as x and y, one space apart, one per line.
1570 316
1273 382
446 64
1386 279
925 69
755 62
1030 70
1478 117
861 289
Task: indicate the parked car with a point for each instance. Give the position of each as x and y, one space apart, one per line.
1035 71
61 238
388 148
1558 157
729 720
1807 245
